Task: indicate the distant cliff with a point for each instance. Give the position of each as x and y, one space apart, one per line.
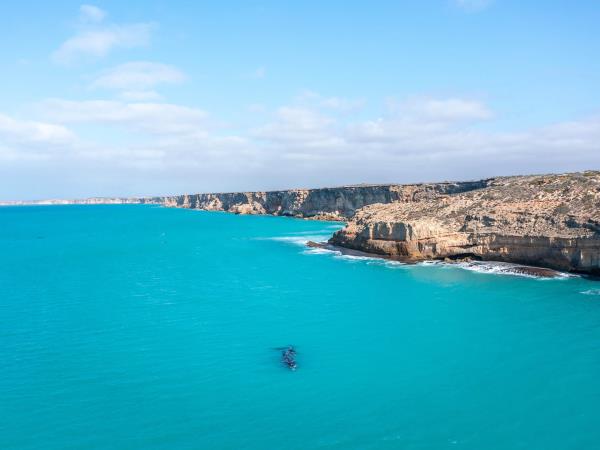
89 201
551 221
338 203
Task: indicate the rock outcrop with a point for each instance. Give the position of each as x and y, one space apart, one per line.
550 221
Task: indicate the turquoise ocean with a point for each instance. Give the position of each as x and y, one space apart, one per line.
141 327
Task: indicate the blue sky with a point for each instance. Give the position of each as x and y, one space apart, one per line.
157 97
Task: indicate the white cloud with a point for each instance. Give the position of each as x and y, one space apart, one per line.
315 100
99 42
91 13
95 39
24 131
473 5
138 76
26 140
433 135
177 148
137 96
299 127
418 130
413 125
342 104
153 118
442 110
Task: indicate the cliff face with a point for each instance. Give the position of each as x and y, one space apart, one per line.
551 221
339 203
328 203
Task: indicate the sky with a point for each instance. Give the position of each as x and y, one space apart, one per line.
159 97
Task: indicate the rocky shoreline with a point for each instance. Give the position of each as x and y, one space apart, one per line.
510 269
547 221
550 221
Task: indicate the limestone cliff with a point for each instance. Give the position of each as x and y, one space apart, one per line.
328 203
338 203
550 221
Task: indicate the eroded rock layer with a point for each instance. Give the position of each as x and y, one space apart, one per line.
550 221
328 203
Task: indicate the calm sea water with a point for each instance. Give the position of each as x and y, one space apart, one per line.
128 327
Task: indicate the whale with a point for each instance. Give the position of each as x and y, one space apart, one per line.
288 357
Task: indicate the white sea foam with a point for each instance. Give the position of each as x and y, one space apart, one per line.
355 257
304 239
296 240
338 254
492 267
301 239
432 263
502 268
320 251
389 263
591 292
302 233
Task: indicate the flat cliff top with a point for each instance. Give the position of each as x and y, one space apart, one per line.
566 205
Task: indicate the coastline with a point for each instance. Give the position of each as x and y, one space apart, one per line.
546 221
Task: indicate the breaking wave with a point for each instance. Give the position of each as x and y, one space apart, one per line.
499 268
591 292
301 240
487 267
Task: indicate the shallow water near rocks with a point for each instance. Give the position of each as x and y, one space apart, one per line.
146 327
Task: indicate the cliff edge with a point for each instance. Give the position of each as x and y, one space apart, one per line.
339 203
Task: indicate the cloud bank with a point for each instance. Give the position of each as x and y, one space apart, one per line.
418 139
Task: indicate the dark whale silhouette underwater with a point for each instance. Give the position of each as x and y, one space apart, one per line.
288 357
